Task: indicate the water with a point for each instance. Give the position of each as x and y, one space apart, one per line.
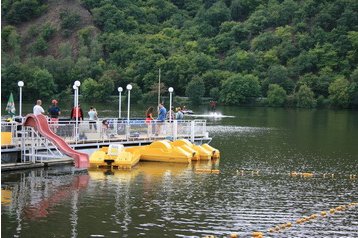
253 192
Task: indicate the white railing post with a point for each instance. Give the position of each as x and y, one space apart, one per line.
192 131
175 130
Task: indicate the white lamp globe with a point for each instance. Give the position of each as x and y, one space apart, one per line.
74 87
170 89
129 87
120 89
20 83
77 83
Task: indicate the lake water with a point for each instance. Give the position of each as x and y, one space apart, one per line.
254 191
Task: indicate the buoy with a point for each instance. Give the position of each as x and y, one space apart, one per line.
257 234
293 174
233 235
271 230
299 221
313 216
339 208
288 224
323 213
307 174
332 211
283 226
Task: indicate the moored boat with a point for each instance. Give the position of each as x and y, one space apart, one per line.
115 156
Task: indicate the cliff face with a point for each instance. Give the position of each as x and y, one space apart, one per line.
58 23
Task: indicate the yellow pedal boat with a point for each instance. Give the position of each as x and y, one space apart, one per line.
202 152
179 151
163 151
115 156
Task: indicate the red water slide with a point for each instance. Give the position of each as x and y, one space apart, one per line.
40 124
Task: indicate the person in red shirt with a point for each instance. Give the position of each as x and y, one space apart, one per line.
77 112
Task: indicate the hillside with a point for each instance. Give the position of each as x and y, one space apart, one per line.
295 53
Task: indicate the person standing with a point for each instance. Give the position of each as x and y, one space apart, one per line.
149 115
92 118
179 115
162 113
54 111
37 110
170 115
148 120
161 117
77 113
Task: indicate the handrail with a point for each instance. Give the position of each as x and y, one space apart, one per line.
119 130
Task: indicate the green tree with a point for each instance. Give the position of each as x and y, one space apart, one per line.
89 90
276 95
240 89
195 90
69 22
41 85
214 94
40 46
339 92
305 97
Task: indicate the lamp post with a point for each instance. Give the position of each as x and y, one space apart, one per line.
129 88
20 84
76 86
170 102
120 90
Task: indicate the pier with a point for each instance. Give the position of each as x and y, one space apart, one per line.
23 147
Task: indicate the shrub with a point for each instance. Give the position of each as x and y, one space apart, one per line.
215 93
195 90
276 95
305 97
69 22
239 89
339 92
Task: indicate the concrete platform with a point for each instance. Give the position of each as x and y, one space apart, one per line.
45 163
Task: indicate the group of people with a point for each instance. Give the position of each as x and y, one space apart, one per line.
163 114
54 112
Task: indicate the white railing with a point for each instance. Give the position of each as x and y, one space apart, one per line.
118 130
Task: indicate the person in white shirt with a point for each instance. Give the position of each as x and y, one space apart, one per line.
92 118
38 109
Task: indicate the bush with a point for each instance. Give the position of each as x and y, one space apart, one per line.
305 97
276 95
48 31
215 93
20 11
239 89
69 21
195 90
339 92
40 46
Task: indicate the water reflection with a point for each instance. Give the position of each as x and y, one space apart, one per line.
158 199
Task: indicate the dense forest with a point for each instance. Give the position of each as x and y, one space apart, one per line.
276 53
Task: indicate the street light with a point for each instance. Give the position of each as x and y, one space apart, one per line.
120 90
76 86
170 103
129 88
20 84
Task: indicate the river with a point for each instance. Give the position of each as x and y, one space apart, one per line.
255 190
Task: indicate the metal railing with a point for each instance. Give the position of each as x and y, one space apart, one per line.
116 130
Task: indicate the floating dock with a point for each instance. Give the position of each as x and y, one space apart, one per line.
23 146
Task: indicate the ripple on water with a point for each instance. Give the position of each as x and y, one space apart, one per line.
224 130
